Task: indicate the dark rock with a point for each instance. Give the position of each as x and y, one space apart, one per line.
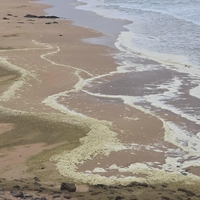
51 185
36 179
48 23
5 18
132 184
164 185
56 195
41 17
119 197
31 16
105 187
80 195
17 194
28 195
55 22
187 192
164 198
60 35
184 173
67 196
115 186
68 186
48 17
42 188
16 187
56 192
43 198
9 14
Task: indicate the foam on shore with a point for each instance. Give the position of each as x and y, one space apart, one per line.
24 74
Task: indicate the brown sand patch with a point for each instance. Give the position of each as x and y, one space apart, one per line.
13 159
5 127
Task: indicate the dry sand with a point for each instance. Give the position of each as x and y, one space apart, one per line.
43 57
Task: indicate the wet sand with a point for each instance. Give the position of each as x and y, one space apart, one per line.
43 65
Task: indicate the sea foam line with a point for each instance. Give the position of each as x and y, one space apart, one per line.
195 92
102 139
10 93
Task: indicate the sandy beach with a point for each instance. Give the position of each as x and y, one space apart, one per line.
53 128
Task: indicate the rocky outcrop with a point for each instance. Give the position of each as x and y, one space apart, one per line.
30 189
41 17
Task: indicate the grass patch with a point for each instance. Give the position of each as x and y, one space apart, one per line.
32 129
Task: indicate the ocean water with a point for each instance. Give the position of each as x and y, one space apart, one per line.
166 32
159 65
168 26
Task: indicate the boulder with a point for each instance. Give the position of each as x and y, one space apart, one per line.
68 186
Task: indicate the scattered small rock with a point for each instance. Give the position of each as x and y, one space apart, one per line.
68 186
28 196
164 198
67 196
152 186
16 187
60 35
164 185
43 198
184 173
5 18
36 179
134 198
105 187
132 184
56 195
119 197
17 194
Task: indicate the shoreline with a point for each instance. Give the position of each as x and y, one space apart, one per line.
29 125
108 28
